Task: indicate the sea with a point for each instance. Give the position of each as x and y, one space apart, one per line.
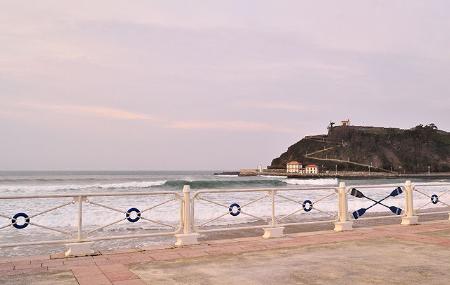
104 217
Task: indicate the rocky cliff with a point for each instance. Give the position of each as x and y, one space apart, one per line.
356 148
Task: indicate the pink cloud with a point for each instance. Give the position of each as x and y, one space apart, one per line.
227 125
97 111
121 114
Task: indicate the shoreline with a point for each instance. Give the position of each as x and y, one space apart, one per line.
349 175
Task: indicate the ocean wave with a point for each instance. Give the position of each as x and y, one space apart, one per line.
172 184
273 176
317 182
237 183
120 185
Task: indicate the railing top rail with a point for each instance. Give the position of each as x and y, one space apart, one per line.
432 185
233 190
375 186
104 194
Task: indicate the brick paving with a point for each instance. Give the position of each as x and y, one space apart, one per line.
113 267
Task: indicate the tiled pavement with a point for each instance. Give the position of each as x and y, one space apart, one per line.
113 268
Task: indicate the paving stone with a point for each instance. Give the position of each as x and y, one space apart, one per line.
86 271
130 282
113 267
162 255
93 280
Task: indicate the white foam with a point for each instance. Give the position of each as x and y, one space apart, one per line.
134 184
320 181
273 176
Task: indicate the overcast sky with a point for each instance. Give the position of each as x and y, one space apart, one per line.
173 85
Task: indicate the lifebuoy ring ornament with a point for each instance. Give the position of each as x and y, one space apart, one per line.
133 210
20 215
307 205
234 209
434 199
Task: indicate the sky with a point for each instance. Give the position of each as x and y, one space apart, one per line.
210 85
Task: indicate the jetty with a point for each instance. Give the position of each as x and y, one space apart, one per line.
340 174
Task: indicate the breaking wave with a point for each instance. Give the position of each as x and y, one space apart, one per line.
237 183
122 185
171 184
316 182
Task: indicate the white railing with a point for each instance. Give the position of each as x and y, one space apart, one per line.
105 204
205 211
439 198
268 204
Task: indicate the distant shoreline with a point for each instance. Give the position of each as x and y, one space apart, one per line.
342 175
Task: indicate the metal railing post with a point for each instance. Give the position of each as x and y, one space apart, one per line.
272 194
188 237
80 219
342 223
409 218
80 247
274 230
186 209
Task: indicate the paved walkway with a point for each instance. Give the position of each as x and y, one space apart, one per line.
379 255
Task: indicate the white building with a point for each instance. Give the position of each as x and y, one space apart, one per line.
345 123
294 167
311 169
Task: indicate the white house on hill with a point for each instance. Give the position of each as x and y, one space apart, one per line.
294 167
311 169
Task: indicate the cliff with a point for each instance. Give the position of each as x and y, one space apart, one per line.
355 148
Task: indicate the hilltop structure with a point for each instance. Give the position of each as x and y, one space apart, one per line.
421 149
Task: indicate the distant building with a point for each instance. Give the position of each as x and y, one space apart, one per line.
311 169
345 123
294 167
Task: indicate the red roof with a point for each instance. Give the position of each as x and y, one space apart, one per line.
311 165
294 162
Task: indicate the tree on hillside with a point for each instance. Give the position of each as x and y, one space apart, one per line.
432 126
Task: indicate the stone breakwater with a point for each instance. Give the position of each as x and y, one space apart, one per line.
341 174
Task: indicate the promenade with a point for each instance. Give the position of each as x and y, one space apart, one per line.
388 254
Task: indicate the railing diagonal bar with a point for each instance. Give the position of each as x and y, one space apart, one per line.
424 205
291 214
443 193
51 209
212 202
160 204
444 203
159 223
290 199
6 217
212 220
108 225
254 201
256 217
104 206
323 198
427 195
323 212
50 228
5 226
